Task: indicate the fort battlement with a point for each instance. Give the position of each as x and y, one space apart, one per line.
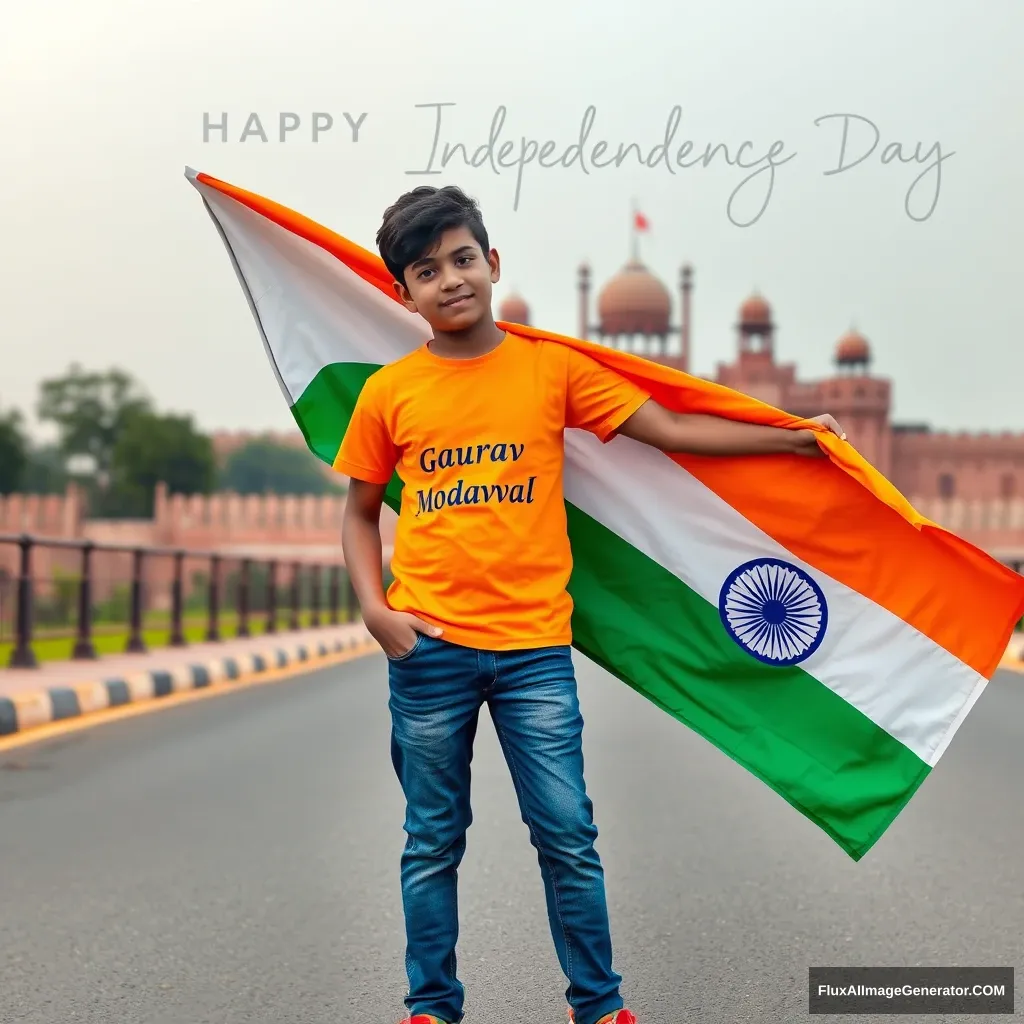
49 515
195 520
303 528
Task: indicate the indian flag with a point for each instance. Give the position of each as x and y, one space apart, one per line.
797 613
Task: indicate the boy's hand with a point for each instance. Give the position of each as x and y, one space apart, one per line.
396 631
806 440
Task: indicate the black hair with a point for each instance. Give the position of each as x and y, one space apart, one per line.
414 223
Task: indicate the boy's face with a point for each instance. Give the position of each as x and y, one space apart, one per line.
451 287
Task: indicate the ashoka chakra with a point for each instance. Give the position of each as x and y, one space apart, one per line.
774 611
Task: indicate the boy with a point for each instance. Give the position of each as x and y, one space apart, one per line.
478 611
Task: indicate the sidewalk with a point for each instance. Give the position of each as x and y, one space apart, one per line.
32 697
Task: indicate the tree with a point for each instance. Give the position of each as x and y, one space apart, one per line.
13 452
152 448
45 471
90 410
260 467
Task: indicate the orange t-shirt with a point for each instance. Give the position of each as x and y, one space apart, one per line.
481 547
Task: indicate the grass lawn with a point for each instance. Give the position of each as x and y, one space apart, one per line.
112 639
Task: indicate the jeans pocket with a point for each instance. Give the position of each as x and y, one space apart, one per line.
409 653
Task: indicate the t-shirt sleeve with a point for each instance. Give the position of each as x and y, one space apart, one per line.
598 399
367 451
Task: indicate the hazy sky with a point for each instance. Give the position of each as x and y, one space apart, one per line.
109 258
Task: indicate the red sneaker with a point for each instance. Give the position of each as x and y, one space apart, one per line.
423 1018
620 1017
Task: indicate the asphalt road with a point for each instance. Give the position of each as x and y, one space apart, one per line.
236 862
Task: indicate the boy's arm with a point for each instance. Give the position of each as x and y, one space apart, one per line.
368 457
364 551
602 401
697 434
364 559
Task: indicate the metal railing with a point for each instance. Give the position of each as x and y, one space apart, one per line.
126 598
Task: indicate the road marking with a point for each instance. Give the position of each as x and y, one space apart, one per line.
63 727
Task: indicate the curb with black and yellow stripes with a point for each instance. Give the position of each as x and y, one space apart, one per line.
26 711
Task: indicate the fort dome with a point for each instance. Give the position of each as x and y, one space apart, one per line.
634 301
514 310
755 312
853 349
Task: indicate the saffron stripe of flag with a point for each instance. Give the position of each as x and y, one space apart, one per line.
799 614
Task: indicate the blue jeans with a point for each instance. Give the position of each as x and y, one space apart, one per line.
437 690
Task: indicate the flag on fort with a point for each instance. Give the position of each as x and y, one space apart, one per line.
797 613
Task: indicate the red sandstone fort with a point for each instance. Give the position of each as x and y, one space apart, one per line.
971 483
